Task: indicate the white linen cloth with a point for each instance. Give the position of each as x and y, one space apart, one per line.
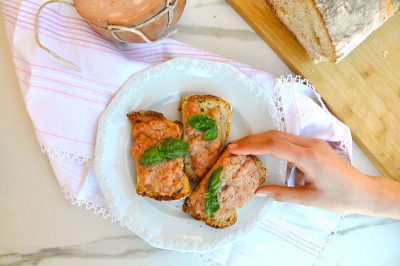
65 105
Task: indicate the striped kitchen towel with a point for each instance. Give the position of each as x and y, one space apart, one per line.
65 105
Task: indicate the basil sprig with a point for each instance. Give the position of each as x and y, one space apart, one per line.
206 124
173 148
213 185
169 149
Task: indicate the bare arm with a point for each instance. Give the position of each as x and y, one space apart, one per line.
331 182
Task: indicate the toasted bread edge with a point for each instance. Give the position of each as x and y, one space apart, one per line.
219 224
226 106
187 207
186 189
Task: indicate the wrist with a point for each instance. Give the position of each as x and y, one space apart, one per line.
379 196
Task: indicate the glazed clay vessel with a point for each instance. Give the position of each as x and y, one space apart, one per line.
131 20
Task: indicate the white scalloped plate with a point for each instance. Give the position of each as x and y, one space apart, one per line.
164 224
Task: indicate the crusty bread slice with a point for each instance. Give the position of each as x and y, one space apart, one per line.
329 30
172 129
194 203
207 104
301 18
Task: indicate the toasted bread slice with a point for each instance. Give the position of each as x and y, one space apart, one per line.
240 177
202 153
161 181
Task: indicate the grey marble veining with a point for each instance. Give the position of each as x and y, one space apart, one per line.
216 27
84 250
108 248
241 34
209 4
371 222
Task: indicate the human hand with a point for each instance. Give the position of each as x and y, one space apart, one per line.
330 181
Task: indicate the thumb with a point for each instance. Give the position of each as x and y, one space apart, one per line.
301 195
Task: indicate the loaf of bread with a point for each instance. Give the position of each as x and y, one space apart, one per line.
330 30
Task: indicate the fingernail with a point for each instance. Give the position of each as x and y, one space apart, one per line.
261 194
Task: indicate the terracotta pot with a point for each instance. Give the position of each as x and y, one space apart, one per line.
130 13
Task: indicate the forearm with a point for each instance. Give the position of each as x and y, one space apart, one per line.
380 197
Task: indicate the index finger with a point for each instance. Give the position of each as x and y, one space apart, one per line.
274 147
284 136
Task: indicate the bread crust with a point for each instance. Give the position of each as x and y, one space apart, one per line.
143 116
261 168
219 224
210 222
215 101
345 23
348 23
332 57
315 55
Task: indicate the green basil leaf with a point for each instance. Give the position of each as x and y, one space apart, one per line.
151 156
209 195
170 150
214 183
211 133
174 148
212 206
201 122
204 123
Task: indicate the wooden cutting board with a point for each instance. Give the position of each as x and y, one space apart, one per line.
363 90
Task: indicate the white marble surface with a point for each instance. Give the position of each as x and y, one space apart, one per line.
38 226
